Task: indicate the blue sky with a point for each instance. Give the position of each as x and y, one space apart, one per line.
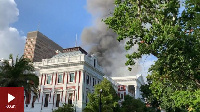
60 20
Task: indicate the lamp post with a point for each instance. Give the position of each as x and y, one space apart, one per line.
100 91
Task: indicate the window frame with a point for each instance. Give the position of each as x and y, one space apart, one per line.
58 100
61 77
87 79
70 98
93 81
49 75
46 99
70 77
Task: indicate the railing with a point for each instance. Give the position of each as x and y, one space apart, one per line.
73 59
37 63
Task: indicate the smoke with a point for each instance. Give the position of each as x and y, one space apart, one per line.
103 41
10 40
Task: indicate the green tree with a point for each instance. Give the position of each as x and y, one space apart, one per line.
148 96
133 105
19 74
109 98
159 29
171 94
65 108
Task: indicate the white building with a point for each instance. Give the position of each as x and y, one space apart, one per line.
65 78
129 85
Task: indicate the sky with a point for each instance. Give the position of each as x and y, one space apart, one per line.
59 20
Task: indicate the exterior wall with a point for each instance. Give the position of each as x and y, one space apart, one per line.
124 83
39 47
86 75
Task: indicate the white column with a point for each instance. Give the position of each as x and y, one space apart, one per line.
135 90
64 86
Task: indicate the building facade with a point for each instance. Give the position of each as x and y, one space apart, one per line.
39 47
128 85
65 78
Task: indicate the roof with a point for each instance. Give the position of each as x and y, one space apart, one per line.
69 52
75 49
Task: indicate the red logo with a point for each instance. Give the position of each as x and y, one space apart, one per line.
11 99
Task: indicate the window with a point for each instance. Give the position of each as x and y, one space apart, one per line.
93 82
46 100
122 96
87 79
131 89
60 78
83 96
70 98
71 79
48 79
58 100
121 88
94 63
90 81
84 77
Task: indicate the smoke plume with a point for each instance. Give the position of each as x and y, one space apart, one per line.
103 41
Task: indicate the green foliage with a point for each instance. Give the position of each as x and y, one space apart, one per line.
159 29
148 96
65 108
18 74
133 105
183 98
174 96
109 98
162 90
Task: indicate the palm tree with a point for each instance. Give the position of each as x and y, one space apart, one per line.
19 74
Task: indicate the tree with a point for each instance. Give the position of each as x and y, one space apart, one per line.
133 105
19 74
148 96
65 108
109 98
173 96
159 29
